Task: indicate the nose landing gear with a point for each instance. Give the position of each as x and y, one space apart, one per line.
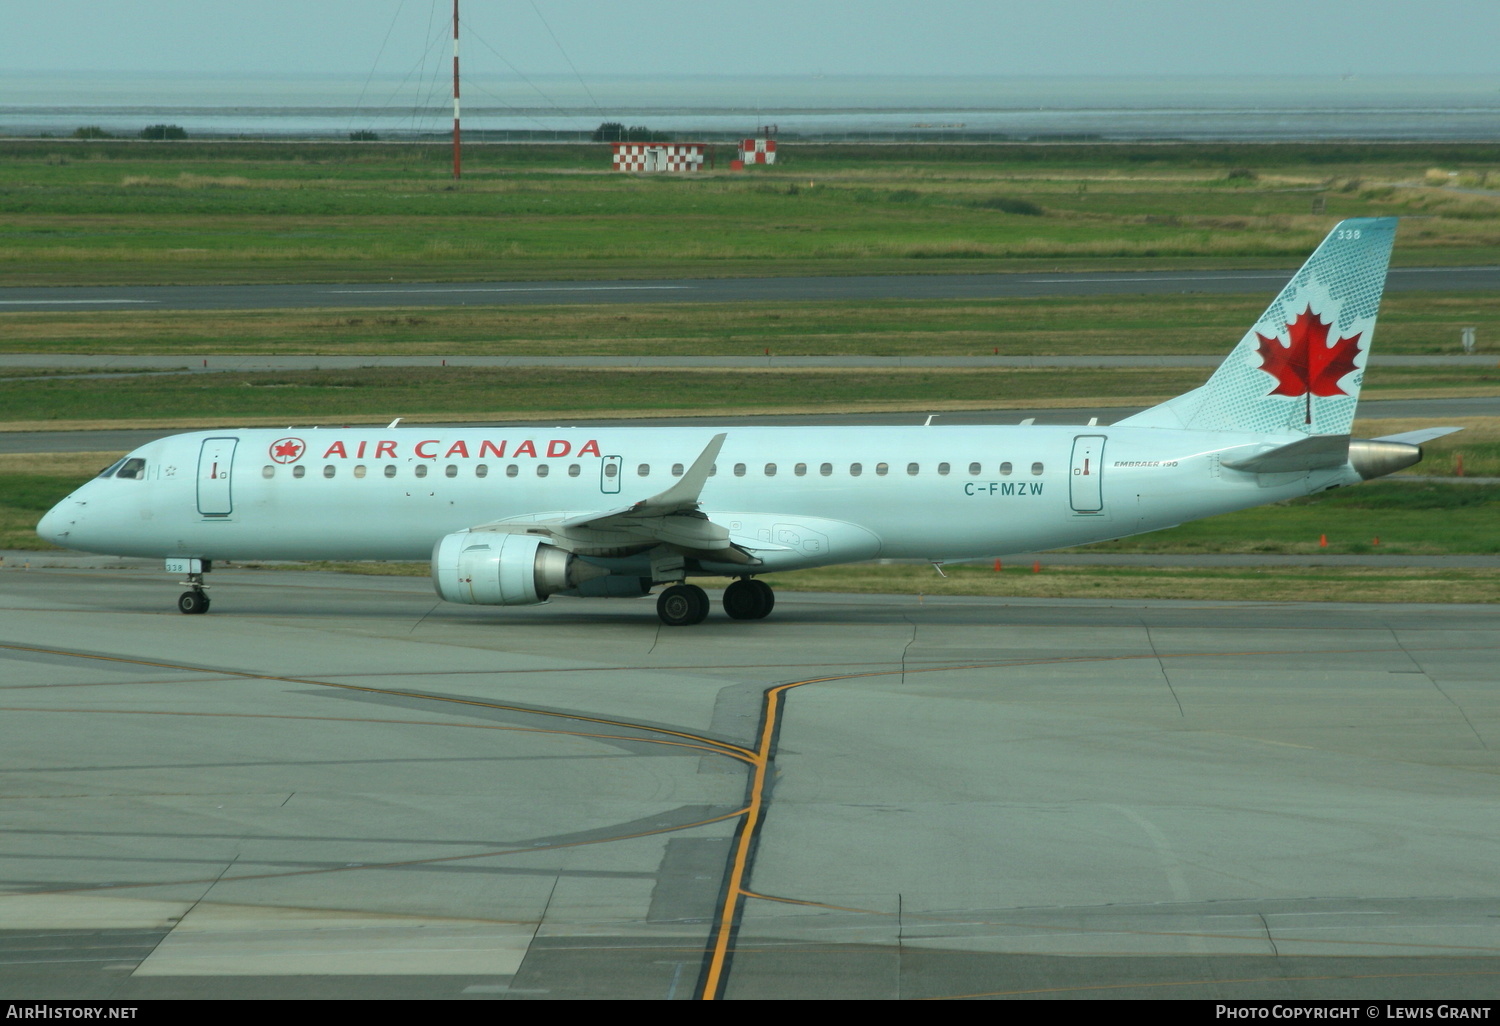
194 600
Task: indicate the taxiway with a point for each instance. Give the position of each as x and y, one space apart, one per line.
335 786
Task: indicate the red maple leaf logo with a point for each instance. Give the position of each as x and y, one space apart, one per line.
287 450
1307 364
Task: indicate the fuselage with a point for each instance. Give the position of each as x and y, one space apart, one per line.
795 497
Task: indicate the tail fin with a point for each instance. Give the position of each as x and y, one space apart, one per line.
1300 368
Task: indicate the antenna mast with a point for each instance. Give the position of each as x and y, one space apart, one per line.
456 160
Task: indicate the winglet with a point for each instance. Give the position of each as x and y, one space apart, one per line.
684 493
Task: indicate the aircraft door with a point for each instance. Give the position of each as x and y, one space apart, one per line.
1085 491
609 475
214 462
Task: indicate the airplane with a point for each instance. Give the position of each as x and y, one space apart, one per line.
515 516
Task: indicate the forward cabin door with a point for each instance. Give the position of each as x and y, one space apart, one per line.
214 462
609 475
1086 492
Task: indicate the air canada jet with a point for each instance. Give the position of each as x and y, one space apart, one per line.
513 516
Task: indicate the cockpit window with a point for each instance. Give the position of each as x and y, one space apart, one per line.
135 469
109 470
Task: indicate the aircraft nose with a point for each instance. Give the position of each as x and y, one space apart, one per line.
57 525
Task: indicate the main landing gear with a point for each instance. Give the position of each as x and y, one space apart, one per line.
683 605
749 599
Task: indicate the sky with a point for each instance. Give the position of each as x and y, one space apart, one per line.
756 37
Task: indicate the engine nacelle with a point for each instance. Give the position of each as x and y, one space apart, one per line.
1375 458
482 568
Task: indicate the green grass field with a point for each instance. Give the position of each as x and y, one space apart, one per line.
1078 326
115 212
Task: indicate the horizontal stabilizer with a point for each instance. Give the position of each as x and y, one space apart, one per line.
1315 452
1418 437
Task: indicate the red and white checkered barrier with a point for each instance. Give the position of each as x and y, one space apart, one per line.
658 156
758 151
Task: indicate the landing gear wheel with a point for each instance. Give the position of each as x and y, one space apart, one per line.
748 599
192 602
682 605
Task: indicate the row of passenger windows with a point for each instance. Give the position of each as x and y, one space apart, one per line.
644 470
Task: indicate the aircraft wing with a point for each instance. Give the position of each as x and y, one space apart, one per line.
670 517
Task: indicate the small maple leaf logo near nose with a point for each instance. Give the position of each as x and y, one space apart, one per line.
287 450
1306 364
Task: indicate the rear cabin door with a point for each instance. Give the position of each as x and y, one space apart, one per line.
214 462
1086 493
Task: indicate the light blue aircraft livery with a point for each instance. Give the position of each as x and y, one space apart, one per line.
516 516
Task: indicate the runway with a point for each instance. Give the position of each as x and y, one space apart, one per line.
334 786
378 295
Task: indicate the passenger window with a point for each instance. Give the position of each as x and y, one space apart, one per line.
299 471
677 470
713 469
610 470
329 470
800 470
855 470
1005 470
1036 468
420 470
826 469
882 469
973 470
913 469
482 470
943 469
390 470
739 470
542 470
451 470
359 470
268 471
574 470
132 469
644 470
770 470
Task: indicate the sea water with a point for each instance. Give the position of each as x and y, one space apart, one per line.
815 108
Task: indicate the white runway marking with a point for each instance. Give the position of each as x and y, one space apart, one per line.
566 288
70 302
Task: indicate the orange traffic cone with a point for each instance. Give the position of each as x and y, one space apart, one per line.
1036 567
1322 541
997 566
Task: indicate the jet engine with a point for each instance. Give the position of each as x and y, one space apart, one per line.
1374 457
482 568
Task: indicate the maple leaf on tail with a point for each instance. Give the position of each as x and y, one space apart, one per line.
1308 365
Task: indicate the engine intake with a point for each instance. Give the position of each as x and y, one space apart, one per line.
481 568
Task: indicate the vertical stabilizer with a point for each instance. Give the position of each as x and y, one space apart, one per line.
1299 369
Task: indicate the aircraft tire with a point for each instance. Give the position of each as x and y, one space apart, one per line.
748 599
682 605
768 598
192 602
